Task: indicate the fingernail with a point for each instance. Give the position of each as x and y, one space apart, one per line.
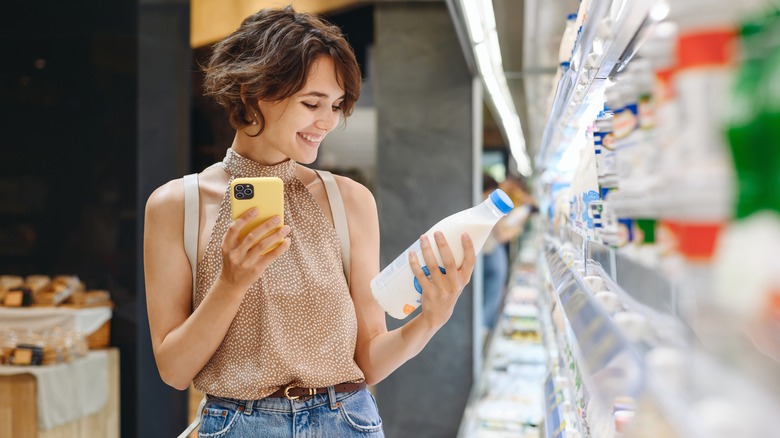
438 235
253 212
423 239
277 220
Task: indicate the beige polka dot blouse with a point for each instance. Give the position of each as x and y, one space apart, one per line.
297 323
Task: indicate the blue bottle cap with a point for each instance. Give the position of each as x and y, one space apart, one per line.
571 17
501 201
565 64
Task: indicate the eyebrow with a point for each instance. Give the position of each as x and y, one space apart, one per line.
319 94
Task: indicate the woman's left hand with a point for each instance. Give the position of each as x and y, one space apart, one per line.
440 290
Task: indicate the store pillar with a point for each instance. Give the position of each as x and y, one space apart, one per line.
164 56
427 108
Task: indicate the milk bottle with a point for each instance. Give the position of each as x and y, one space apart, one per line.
398 291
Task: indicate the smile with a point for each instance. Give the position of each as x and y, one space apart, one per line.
311 138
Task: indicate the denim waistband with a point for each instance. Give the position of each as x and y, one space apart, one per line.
281 404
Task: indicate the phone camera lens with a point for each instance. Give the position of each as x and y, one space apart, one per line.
239 195
248 191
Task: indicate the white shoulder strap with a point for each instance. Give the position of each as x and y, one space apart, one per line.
339 216
191 223
192 426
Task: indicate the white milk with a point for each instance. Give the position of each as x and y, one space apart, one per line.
396 289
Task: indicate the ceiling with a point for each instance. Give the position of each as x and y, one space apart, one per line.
212 20
529 33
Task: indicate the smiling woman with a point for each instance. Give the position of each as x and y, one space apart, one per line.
226 314
301 121
234 74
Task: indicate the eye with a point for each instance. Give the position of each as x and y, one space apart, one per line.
336 108
310 105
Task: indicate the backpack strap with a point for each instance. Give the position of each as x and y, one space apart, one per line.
339 216
191 223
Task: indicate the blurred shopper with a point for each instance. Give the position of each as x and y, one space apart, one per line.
495 271
269 336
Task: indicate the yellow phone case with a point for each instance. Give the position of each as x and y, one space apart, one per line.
264 193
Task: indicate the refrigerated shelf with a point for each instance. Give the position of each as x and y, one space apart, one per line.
605 46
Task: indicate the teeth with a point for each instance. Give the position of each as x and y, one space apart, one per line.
314 139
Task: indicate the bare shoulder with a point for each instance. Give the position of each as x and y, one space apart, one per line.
356 196
166 200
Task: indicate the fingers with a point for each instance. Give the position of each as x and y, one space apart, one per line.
282 248
261 230
267 242
430 259
414 262
469 254
447 259
235 228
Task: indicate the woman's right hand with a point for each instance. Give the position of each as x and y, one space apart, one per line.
242 263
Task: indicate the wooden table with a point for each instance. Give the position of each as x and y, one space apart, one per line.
19 409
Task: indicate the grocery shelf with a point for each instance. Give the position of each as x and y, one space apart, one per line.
600 52
601 346
707 399
645 284
507 398
588 361
678 384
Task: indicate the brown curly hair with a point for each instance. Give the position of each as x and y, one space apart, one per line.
268 58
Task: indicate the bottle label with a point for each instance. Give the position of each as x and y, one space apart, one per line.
604 139
604 143
646 112
398 265
625 122
417 285
625 231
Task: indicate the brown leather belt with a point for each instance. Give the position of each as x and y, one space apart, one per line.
295 393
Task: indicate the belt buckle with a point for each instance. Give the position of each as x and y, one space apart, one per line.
312 392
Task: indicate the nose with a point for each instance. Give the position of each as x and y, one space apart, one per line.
327 119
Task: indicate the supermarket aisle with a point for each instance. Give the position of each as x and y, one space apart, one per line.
649 307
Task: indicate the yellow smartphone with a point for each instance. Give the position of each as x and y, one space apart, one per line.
264 193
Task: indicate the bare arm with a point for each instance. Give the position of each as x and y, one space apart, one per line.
379 352
511 225
182 340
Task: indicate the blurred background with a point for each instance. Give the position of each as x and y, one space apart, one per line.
640 293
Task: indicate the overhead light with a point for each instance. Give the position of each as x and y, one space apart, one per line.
495 49
659 11
488 15
473 20
498 93
481 23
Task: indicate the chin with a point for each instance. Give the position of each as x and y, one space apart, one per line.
306 159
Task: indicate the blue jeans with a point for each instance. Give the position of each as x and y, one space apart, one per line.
337 415
495 269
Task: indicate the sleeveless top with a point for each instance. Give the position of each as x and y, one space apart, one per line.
297 323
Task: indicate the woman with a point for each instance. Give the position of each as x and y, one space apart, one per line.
282 341
495 266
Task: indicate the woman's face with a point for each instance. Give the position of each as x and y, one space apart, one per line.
295 127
